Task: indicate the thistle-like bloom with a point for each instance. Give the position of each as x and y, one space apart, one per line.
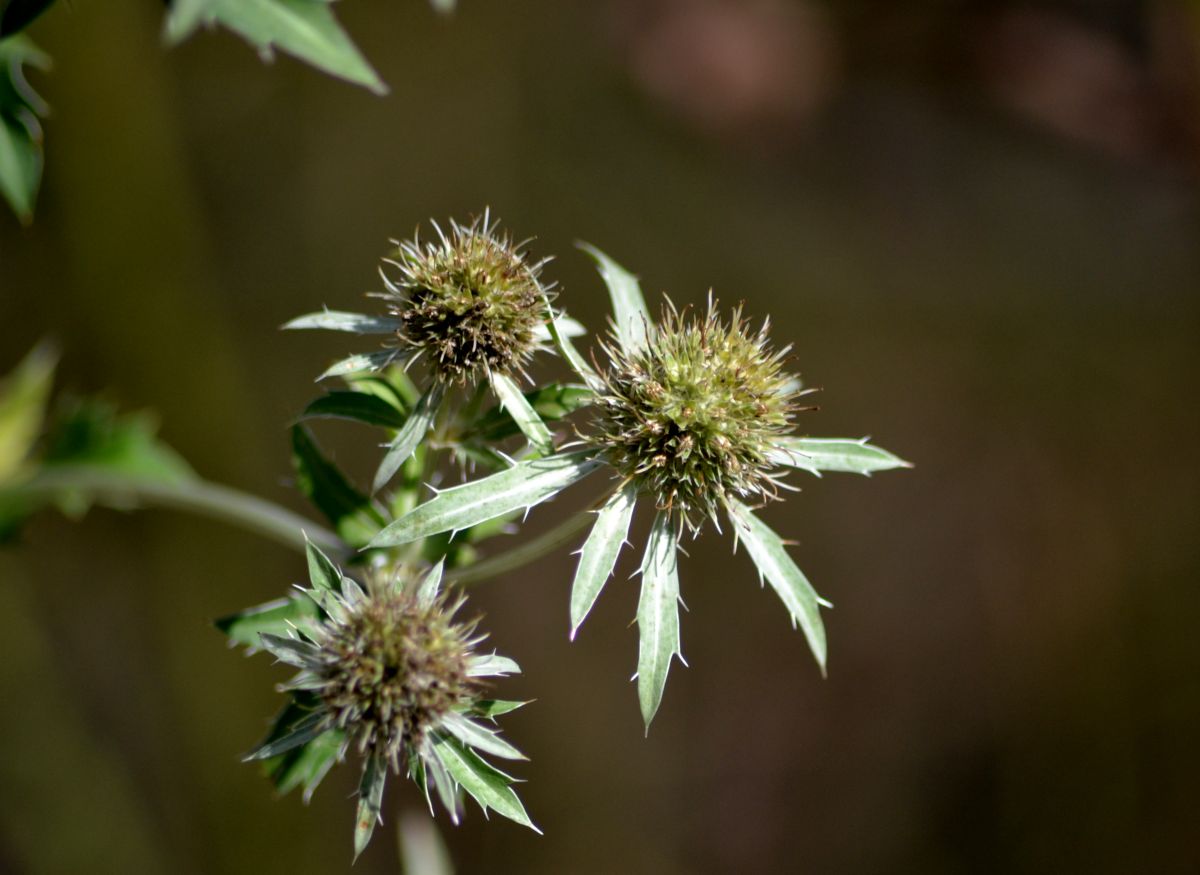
692 414
470 305
386 674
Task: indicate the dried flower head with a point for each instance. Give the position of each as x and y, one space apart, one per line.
387 673
693 416
471 301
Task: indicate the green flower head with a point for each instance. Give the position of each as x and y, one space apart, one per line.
387 674
692 416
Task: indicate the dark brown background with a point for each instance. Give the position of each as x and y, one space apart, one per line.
975 221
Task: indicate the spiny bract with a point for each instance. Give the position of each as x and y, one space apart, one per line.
471 301
693 416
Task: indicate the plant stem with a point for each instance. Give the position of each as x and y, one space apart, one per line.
535 548
195 495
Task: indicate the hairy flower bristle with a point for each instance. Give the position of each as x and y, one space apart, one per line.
471 301
692 416
389 670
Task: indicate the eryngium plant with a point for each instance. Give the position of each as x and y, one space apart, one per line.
693 414
386 673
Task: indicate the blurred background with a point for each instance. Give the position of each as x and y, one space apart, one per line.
976 220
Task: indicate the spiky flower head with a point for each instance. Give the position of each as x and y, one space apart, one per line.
387 673
693 415
470 301
388 669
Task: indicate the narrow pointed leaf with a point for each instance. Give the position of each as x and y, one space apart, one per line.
322 573
479 737
370 801
277 617
354 323
355 406
444 785
302 732
657 616
492 708
23 397
523 485
306 29
492 665
565 348
486 784
773 562
369 361
518 407
427 590
410 435
306 766
835 454
568 327
290 650
600 551
630 315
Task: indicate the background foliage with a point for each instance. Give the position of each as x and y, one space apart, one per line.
987 254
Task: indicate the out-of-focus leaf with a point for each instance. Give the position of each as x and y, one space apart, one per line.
555 401
19 14
92 432
305 29
370 800
350 512
23 397
20 131
523 485
354 323
422 851
356 406
444 6
276 617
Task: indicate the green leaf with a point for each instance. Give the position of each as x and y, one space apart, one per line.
23 397
558 331
305 29
492 708
322 573
492 665
443 6
370 800
630 314
91 432
361 362
275 617
550 402
354 323
479 737
356 406
20 131
487 785
599 554
306 766
657 616
19 14
422 850
410 435
301 732
773 562
523 485
427 589
834 454
350 512
518 407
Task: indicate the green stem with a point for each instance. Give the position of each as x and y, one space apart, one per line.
533 549
197 496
